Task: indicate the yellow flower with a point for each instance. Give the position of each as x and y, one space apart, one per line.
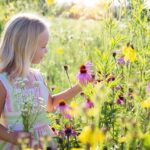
91 135
75 110
73 104
60 51
50 2
129 54
145 104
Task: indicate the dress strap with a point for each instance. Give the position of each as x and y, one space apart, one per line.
38 76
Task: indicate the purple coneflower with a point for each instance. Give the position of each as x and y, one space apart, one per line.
120 100
69 131
62 106
89 104
55 132
85 74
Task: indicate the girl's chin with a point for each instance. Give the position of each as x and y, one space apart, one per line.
37 61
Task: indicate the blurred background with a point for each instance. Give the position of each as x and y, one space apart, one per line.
77 28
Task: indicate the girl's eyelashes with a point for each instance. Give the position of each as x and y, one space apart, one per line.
44 47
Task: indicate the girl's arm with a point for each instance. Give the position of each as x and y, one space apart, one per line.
62 96
11 137
4 135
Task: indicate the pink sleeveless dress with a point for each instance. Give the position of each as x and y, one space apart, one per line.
13 107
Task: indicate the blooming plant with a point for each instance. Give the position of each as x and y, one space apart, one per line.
29 105
117 104
85 74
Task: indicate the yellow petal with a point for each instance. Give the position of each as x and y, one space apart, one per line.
60 51
145 104
129 54
50 2
91 136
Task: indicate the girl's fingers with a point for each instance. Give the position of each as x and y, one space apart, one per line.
24 135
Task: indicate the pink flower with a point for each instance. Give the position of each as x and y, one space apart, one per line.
89 104
89 66
120 100
148 87
121 61
85 74
55 132
62 107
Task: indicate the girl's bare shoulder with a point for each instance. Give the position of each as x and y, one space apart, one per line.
2 97
3 91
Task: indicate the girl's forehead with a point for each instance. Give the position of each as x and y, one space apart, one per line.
44 36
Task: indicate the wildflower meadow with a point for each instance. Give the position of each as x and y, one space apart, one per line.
106 48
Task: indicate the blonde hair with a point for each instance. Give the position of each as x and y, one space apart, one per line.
19 43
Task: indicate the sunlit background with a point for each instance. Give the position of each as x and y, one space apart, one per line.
92 3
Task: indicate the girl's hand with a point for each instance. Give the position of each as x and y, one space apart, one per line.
19 136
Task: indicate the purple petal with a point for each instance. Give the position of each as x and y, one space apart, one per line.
84 77
120 101
121 61
148 87
89 104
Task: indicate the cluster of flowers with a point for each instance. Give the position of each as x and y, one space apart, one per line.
128 54
29 105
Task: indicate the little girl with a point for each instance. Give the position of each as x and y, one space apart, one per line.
24 43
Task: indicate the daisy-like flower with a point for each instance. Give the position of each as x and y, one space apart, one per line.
85 74
129 54
145 104
92 136
89 104
62 107
69 131
55 132
120 100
